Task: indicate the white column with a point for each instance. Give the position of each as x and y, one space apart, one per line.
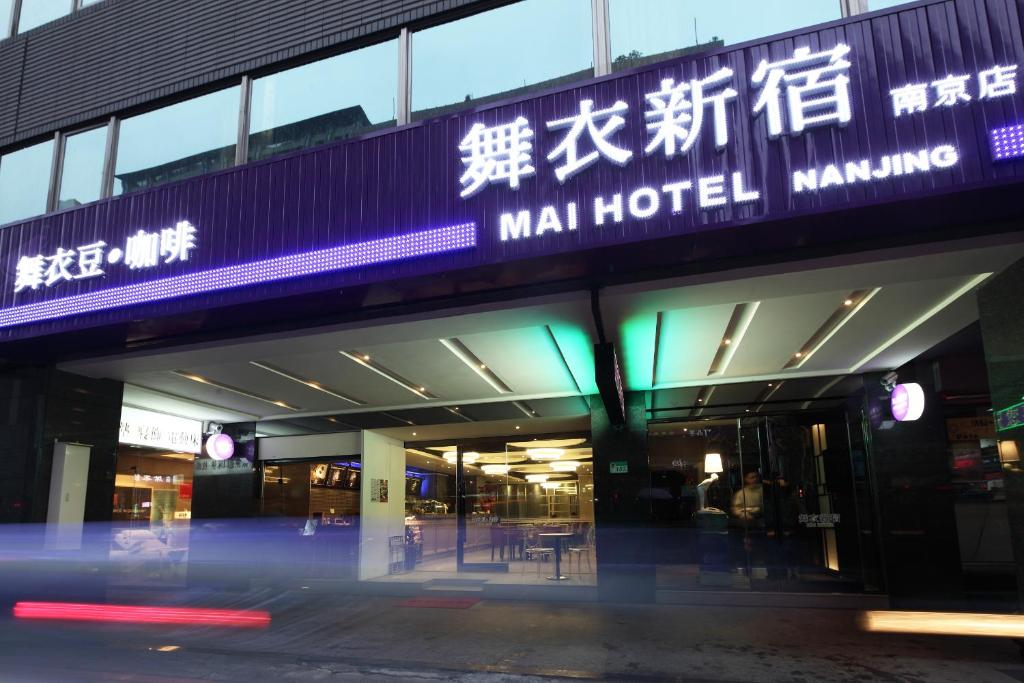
65 513
379 520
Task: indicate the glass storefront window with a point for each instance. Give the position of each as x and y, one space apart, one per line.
82 169
526 513
152 512
654 30
764 503
328 100
180 141
501 53
24 181
38 12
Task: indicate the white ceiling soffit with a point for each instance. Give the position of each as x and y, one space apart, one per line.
147 399
544 349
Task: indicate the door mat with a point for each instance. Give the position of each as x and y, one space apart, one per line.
440 603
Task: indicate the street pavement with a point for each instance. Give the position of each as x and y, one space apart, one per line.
317 637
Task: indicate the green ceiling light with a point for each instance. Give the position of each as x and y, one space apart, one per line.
577 350
636 350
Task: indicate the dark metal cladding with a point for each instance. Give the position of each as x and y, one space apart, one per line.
399 181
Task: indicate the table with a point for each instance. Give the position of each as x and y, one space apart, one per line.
558 554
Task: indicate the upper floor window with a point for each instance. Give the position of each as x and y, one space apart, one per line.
654 30
6 13
501 53
38 12
180 141
81 177
328 100
25 181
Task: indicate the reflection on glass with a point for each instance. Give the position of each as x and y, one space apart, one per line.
82 172
654 30
24 181
152 512
6 7
328 100
38 12
883 4
180 141
500 53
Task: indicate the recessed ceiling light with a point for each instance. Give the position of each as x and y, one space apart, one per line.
517 426
727 341
769 383
305 382
414 433
234 390
799 354
848 302
387 373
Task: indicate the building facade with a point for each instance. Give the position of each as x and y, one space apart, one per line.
595 297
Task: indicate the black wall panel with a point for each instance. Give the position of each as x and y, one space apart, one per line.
121 54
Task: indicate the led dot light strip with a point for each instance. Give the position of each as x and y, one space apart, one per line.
345 257
1008 142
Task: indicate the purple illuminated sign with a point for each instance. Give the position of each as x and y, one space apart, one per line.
410 245
1008 142
834 118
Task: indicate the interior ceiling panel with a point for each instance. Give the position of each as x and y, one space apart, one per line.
204 393
688 341
743 393
269 385
672 398
779 329
526 359
885 315
946 322
338 372
429 364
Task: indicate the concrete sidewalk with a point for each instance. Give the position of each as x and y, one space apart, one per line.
374 638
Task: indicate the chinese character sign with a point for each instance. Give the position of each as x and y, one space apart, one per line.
142 250
779 99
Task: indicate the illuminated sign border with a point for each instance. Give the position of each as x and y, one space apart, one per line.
348 256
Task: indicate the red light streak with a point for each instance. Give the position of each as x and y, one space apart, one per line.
136 614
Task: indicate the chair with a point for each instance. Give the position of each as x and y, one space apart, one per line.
497 541
584 550
535 550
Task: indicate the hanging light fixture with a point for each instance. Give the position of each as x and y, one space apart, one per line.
564 466
550 485
537 478
545 453
495 469
468 458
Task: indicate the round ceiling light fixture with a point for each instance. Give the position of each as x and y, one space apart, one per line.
564 466
550 485
220 446
468 458
545 453
495 469
536 478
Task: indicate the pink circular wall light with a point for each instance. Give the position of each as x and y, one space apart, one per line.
907 402
220 446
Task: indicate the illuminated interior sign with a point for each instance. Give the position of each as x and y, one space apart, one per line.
907 402
344 257
157 430
1010 418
